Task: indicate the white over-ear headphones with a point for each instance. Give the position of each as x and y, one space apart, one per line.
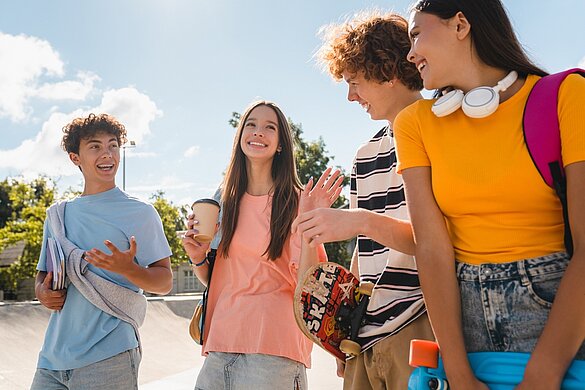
477 103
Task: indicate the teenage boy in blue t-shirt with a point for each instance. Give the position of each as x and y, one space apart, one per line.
124 243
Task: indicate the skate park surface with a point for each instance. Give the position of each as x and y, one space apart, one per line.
171 360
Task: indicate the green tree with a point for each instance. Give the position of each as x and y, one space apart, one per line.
312 159
23 208
173 220
28 202
5 204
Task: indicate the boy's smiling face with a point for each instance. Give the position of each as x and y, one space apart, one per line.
98 158
377 98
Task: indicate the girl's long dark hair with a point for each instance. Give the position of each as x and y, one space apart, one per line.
491 32
285 196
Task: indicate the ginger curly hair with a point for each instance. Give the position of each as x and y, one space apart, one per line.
372 42
83 128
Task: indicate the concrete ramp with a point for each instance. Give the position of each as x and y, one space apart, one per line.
171 360
22 329
166 345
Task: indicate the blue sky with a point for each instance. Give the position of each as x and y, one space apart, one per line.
173 71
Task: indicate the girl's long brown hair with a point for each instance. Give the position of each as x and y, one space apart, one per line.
285 196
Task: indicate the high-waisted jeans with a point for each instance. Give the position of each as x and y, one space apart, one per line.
505 306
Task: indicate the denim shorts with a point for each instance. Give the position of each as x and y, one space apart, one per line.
118 372
237 371
504 307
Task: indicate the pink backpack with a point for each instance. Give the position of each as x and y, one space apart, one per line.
543 138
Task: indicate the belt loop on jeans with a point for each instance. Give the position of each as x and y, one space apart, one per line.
467 272
522 273
458 266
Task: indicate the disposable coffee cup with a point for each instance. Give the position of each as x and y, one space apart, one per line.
206 211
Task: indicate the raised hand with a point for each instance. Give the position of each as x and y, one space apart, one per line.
324 193
120 262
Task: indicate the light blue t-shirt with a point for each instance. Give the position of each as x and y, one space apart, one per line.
81 334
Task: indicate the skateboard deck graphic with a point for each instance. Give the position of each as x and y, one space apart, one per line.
329 308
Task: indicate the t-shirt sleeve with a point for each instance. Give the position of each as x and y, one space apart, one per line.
572 119
41 265
410 149
151 242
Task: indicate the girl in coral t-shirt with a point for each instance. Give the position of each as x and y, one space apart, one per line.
251 338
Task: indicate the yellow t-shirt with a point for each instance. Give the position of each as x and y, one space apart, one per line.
497 207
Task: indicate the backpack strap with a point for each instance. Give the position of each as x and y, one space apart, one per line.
543 138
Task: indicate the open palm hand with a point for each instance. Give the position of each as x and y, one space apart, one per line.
324 193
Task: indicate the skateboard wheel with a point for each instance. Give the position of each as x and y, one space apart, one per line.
350 347
423 353
366 288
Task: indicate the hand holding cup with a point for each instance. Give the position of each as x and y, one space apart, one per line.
207 212
202 226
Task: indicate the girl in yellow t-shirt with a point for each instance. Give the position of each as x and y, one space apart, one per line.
489 231
251 338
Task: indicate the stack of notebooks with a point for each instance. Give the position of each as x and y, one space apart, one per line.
55 263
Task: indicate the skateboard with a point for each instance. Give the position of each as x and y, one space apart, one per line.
330 306
498 370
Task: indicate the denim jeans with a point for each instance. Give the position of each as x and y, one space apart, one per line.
237 371
118 372
504 307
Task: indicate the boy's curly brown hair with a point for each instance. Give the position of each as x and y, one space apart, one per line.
83 128
371 42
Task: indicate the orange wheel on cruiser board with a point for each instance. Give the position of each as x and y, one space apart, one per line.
423 353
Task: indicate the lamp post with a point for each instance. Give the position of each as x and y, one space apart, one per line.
129 145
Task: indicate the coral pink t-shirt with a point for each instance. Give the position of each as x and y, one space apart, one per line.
250 306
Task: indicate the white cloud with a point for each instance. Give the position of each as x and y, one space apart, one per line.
43 154
133 109
24 60
69 89
192 151
28 69
581 63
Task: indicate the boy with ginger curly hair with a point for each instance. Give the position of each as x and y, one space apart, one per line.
369 52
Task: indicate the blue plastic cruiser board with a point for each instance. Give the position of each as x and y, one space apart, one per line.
498 370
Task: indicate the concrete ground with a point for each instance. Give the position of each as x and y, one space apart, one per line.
171 360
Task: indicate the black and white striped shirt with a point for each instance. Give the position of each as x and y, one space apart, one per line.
397 299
